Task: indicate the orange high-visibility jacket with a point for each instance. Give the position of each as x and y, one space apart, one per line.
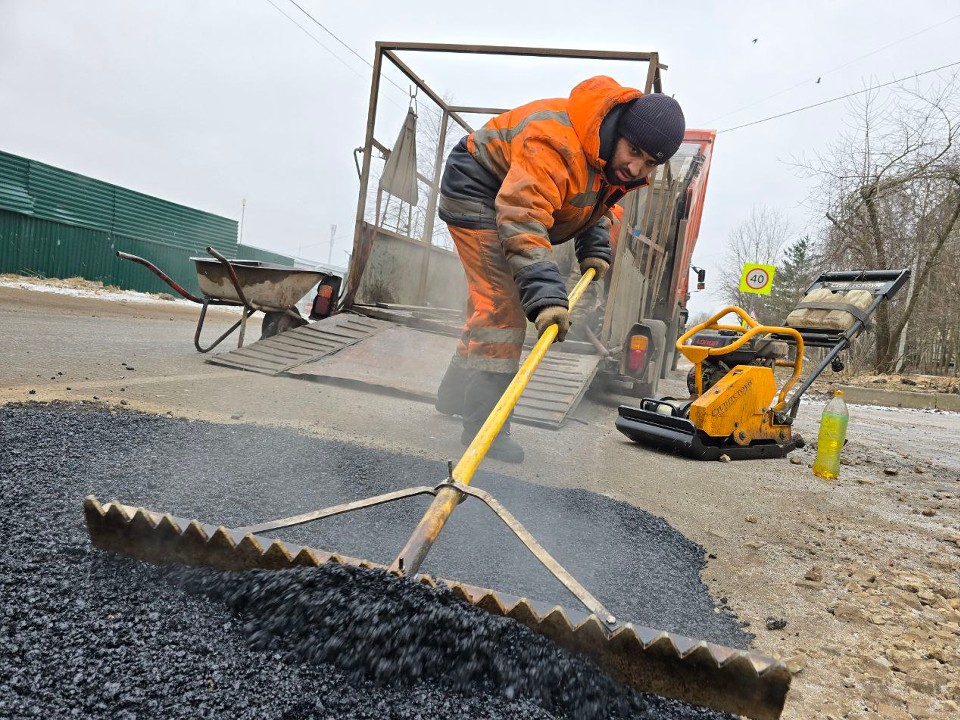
536 175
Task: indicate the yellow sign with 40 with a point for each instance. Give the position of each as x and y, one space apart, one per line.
757 278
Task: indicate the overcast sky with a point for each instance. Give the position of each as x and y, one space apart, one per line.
207 102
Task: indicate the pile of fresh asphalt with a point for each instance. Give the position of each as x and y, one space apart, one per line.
87 634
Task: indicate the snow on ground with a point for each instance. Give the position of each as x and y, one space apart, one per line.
80 287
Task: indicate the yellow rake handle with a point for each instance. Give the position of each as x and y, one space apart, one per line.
477 450
433 520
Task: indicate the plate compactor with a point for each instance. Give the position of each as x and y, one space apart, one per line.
735 406
654 661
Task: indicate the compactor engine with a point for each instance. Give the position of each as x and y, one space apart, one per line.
762 352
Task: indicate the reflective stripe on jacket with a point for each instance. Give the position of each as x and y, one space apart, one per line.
536 174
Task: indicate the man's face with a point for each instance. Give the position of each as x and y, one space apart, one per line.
629 164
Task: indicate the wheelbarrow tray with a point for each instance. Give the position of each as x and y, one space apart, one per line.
266 285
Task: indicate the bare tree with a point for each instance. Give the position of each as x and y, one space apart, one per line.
410 220
428 138
890 189
761 238
933 345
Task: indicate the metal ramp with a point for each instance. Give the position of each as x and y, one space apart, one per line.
379 355
555 389
290 349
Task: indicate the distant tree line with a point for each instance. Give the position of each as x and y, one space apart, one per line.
888 194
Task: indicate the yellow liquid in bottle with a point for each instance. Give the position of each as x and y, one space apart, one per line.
833 432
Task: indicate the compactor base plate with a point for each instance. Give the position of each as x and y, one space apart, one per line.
680 436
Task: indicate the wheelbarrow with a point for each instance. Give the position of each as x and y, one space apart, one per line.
250 284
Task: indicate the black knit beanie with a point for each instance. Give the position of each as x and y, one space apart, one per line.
654 123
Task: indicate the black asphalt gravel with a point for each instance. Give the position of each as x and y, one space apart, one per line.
86 634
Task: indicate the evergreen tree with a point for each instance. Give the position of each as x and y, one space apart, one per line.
796 270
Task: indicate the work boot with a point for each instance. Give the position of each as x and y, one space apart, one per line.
503 447
483 391
452 388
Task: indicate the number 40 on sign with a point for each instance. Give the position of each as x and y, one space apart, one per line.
757 278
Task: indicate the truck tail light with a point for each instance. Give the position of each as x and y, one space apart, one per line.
637 354
325 303
321 306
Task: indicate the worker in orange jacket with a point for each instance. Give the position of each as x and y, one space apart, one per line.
531 178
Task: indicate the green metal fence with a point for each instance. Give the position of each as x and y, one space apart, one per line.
248 252
56 223
43 248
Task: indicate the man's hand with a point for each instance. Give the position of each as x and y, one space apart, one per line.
553 315
598 264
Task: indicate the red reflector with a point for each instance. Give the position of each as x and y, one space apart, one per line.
637 356
321 305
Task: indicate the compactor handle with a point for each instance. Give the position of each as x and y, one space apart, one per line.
751 328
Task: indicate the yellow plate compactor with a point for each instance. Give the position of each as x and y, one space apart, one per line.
735 407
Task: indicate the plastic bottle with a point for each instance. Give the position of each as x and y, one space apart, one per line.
833 433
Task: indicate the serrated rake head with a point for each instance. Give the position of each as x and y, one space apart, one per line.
654 661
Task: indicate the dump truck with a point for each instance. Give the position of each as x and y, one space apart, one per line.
401 305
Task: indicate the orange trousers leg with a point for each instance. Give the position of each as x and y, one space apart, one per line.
496 325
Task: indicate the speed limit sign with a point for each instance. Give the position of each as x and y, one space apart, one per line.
757 278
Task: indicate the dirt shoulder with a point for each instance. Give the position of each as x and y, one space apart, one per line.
870 564
927 384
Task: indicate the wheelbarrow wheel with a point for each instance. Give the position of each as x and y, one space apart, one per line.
275 323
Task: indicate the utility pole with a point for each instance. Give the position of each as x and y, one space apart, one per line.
333 234
243 211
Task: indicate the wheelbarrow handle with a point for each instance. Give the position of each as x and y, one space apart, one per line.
160 274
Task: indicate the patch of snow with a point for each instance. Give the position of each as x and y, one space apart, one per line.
822 400
59 288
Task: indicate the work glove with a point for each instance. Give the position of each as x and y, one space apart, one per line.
598 264
553 315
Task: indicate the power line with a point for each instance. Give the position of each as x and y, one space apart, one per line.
895 42
833 70
314 38
328 31
841 97
336 57
335 37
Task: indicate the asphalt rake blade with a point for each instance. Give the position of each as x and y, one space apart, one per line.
646 659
